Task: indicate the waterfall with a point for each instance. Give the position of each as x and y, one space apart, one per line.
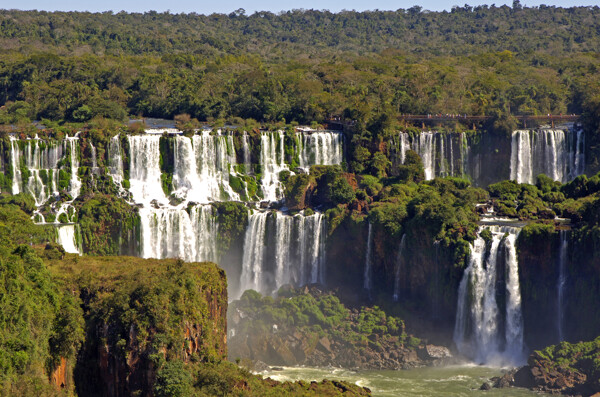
254 253
368 259
175 233
436 151
297 257
75 183
115 161
477 332
426 149
246 153
404 146
562 280
94 159
553 152
66 236
41 160
399 267
16 165
202 167
319 148
514 317
271 162
144 169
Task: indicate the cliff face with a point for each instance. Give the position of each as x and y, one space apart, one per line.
539 265
137 317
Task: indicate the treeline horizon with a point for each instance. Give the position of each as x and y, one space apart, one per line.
462 31
303 66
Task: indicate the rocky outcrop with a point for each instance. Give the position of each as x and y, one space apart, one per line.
359 339
297 349
570 369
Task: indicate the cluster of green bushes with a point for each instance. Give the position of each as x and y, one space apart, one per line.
583 357
322 315
547 199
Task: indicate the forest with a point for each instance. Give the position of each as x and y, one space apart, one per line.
384 218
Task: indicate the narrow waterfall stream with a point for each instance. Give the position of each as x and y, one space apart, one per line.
478 333
399 267
67 237
562 281
368 260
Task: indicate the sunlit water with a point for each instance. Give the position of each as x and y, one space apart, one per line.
444 381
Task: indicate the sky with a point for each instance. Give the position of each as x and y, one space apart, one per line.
227 6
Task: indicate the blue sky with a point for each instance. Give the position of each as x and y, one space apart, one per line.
226 6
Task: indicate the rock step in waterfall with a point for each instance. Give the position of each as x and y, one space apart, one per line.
483 332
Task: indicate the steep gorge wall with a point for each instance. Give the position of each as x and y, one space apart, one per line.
140 314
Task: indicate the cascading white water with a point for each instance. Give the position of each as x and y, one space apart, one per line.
254 252
426 149
477 334
115 161
271 162
298 255
562 281
368 259
246 153
66 236
40 158
553 152
399 267
144 169
436 151
202 167
75 183
319 148
16 165
175 233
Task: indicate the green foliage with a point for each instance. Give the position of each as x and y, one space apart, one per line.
324 314
107 223
341 191
41 322
295 189
172 380
232 218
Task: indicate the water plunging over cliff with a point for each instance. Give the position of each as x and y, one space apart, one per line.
271 163
41 160
557 153
297 255
189 234
115 162
66 236
399 267
562 281
478 330
202 167
323 148
442 154
368 260
75 183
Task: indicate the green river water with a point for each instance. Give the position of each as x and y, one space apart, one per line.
463 380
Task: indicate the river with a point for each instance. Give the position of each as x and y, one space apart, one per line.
463 380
